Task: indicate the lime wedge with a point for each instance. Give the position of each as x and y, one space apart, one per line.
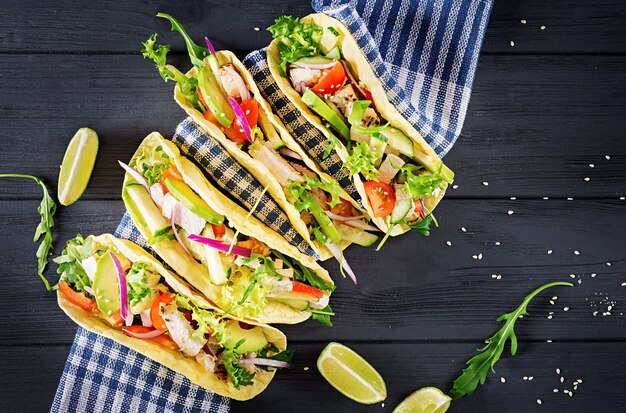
424 400
349 373
77 165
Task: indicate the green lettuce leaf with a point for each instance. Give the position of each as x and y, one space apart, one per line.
362 160
297 39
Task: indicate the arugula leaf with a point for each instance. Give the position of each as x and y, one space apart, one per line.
297 39
46 210
196 53
70 262
422 226
421 186
302 273
239 375
298 190
323 315
478 366
332 144
362 160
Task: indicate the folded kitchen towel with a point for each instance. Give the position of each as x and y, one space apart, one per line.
425 52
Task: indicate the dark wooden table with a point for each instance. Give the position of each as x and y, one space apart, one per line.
546 114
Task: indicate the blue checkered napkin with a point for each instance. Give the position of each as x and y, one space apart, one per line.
101 375
307 135
236 180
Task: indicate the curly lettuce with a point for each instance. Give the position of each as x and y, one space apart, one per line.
421 185
296 39
363 161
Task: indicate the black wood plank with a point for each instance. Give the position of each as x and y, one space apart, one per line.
415 289
533 127
119 26
405 368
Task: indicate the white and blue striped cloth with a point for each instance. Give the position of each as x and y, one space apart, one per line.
425 52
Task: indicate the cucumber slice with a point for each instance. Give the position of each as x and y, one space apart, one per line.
269 131
314 60
329 40
401 210
318 105
335 53
397 140
213 260
356 236
378 147
298 304
142 208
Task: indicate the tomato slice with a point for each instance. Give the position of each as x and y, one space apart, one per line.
235 131
157 320
218 230
344 208
302 288
381 197
75 297
163 340
172 172
330 80
137 329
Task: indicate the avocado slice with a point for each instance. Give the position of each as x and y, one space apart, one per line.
321 108
183 192
250 341
214 98
106 286
356 235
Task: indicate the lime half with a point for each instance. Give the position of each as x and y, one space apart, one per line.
349 373
424 400
77 165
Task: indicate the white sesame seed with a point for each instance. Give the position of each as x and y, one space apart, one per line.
543 27
486 183
545 198
513 198
549 317
570 199
551 312
592 165
621 198
448 243
579 381
549 252
593 275
623 284
241 130
555 390
565 308
530 378
382 404
608 158
455 186
576 252
551 302
247 111
586 179
525 378
538 401
565 391
321 90
497 242
562 379
595 313
608 264
510 212
480 256
558 371
609 308
502 380
306 369
555 297
463 229
580 281
572 276
494 275
570 393
548 341
523 21
475 256
257 29
499 277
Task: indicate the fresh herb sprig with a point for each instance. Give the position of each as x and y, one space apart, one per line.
478 366
46 210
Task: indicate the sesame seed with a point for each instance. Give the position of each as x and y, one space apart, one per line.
513 198
562 379
549 252
551 302
593 275
555 297
525 378
480 256
579 381
256 29
621 198
549 317
609 308
463 229
570 393
548 341
576 252
523 21
241 130
570 199
321 90
608 158
494 276
565 308
595 313
382 404
486 183
572 276
448 243
455 186
538 401
499 277
555 390
545 198
543 27
530 378
497 242
586 179
623 284
510 212
580 281
512 43
558 371
608 264
306 369
592 165
475 256
247 111
502 380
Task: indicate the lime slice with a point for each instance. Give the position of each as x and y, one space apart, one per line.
424 400
77 165
349 373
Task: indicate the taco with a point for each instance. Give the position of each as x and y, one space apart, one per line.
114 288
319 66
226 103
235 261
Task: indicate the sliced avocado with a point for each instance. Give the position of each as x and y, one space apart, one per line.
335 53
214 98
142 208
314 60
183 192
356 235
250 341
322 219
378 147
269 131
295 303
396 139
318 105
106 286
329 40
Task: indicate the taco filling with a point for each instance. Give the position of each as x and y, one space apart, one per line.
381 155
221 95
133 297
249 273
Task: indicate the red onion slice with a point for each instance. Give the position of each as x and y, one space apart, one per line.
318 66
148 334
124 310
423 210
244 93
136 175
288 152
362 225
260 361
342 218
334 249
209 45
219 245
241 117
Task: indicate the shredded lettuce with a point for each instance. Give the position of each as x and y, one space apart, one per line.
151 165
239 375
297 39
139 280
421 185
297 190
70 262
362 160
